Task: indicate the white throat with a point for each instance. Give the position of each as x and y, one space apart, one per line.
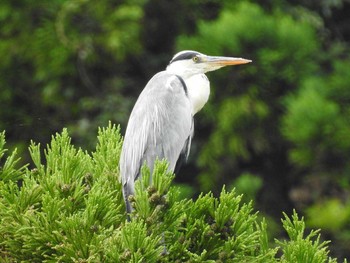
198 87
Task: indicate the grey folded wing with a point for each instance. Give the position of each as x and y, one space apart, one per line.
160 126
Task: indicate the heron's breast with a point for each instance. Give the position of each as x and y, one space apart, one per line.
198 90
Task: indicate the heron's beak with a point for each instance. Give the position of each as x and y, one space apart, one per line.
225 61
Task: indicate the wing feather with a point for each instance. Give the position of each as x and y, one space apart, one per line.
160 126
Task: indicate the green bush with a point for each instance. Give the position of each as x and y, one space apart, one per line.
69 208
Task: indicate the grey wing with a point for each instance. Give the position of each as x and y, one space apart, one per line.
160 126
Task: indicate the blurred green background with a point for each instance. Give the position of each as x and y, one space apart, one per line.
277 129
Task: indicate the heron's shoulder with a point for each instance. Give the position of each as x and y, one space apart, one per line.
167 81
163 76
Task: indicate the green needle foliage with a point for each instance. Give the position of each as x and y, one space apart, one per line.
69 208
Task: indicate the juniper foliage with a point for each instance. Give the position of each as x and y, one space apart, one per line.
69 208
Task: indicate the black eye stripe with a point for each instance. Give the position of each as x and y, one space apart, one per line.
184 56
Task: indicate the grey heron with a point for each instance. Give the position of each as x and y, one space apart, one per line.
161 122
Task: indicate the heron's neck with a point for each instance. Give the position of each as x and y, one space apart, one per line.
198 87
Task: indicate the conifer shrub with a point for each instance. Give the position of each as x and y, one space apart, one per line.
68 207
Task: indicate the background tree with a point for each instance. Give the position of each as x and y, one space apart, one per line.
278 130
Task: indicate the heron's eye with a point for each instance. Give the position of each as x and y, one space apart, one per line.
195 59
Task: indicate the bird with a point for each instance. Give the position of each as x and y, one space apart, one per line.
161 124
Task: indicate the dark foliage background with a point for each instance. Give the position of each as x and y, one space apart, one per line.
278 129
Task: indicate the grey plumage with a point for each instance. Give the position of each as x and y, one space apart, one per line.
160 126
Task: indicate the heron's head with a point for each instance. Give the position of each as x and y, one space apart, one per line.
187 63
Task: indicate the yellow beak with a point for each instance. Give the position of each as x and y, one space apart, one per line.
225 61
